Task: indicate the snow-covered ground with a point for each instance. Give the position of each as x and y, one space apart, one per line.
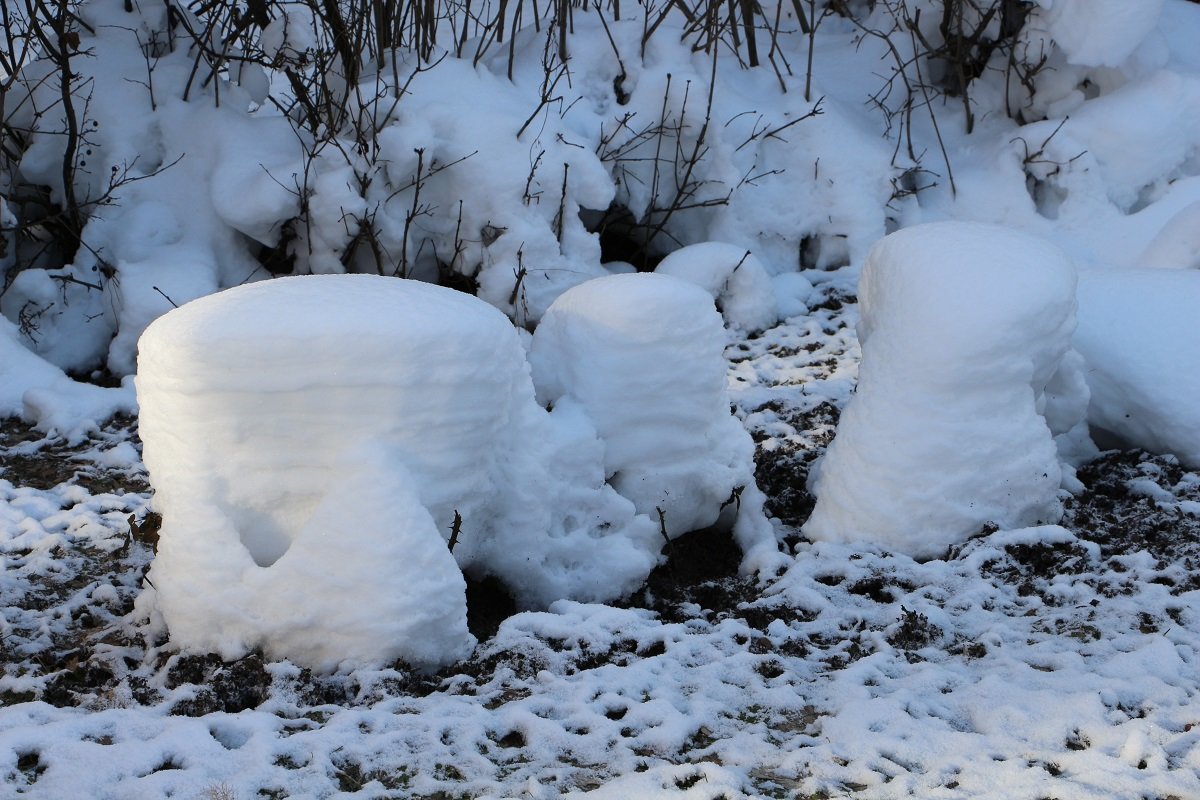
308 446
1043 662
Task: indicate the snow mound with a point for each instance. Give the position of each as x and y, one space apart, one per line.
1138 332
642 355
273 413
735 278
40 392
1177 245
964 326
262 409
1100 33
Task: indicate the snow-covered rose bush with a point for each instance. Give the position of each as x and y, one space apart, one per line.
314 441
964 329
642 355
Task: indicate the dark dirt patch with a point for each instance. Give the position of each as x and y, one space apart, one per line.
1031 567
781 467
489 603
701 570
832 299
1117 512
879 588
914 632
231 687
28 458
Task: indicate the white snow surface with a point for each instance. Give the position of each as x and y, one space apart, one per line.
1100 33
734 277
1075 680
1177 245
38 391
254 425
641 354
1141 338
1078 682
963 326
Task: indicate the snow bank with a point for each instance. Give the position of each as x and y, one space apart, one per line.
963 327
735 278
643 356
1138 332
302 437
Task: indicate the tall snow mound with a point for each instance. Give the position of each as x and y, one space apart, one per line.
964 326
734 277
1139 333
313 440
642 355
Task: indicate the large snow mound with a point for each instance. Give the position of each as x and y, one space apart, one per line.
266 408
261 408
1139 333
642 354
963 327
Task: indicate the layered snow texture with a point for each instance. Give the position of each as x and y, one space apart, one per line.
735 278
1138 332
1177 245
302 437
963 328
642 355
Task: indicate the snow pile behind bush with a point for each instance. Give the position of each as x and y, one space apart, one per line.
734 277
964 327
42 393
1138 331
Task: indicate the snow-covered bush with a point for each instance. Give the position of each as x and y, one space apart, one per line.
1177 244
734 277
641 354
314 441
305 439
964 327
1138 332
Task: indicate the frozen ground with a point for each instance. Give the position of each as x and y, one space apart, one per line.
1051 663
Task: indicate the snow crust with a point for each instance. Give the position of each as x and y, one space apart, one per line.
963 328
1138 332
